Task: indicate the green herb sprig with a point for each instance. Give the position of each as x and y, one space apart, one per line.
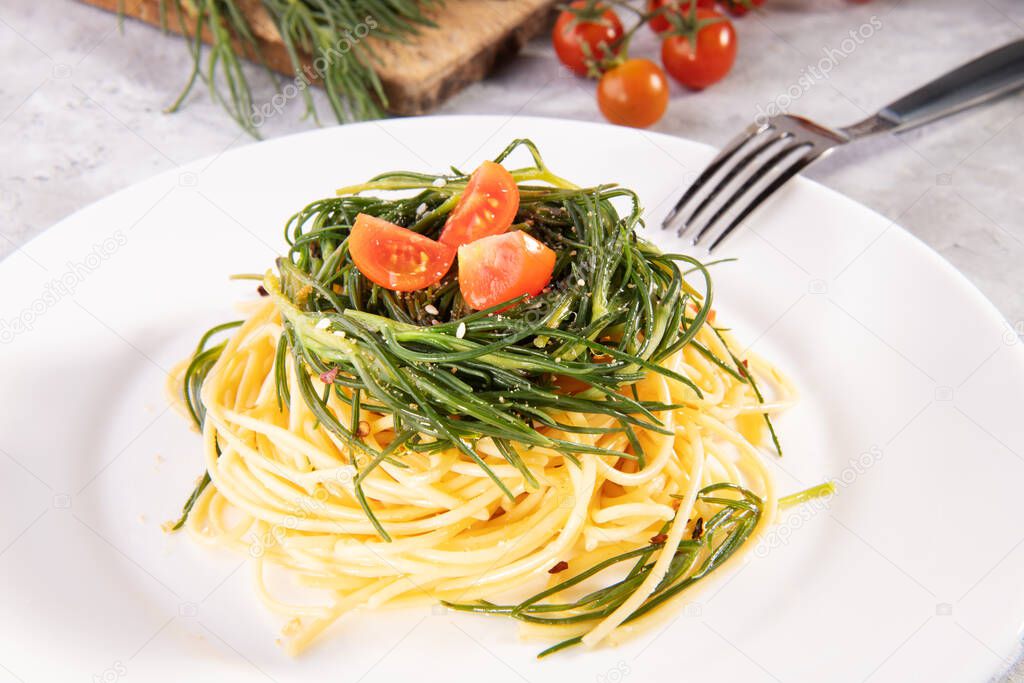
450 376
453 376
710 545
328 42
737 512
203 360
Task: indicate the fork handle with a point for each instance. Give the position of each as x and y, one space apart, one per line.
992 75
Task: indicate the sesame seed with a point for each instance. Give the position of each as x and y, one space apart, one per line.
460 331
440 182
421 209
323 324
429 308
339 333
581 282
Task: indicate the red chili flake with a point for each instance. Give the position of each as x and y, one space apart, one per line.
659 539
560 567
698 529
746 363
262 290
329 376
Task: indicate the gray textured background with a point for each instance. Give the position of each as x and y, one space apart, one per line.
80 115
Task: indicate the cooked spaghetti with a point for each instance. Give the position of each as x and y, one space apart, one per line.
386 448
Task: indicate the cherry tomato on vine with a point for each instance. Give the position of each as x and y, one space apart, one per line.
738 8
499 268
705 60
397 258
634 93
660 23
487 207
587 32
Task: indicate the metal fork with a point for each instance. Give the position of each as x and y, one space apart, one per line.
764 157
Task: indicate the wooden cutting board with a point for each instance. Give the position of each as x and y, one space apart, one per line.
470 38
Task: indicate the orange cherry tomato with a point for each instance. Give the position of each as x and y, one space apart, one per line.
567 384
502 267
635 93
487 207
397 258
578 40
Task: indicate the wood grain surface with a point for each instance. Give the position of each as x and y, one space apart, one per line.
470 38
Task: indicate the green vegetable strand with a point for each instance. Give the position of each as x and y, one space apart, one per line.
450 376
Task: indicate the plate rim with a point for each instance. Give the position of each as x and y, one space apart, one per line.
943 266
801 180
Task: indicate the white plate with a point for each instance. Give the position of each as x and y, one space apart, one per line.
912 390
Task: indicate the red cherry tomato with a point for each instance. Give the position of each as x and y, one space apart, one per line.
576 40
711 60
660 23
635 93
396 258
487 207
502 267
738 8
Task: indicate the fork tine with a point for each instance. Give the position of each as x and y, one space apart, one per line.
727 152
730 175
783 178
765 168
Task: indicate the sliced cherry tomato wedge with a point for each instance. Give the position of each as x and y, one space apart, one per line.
487 207
397 258
499 268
